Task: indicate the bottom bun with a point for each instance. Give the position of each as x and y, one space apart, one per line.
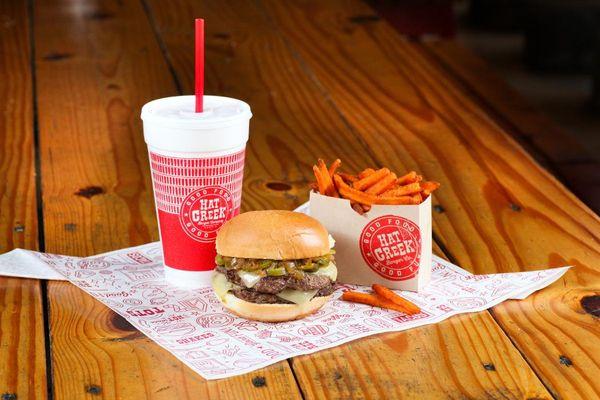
271 312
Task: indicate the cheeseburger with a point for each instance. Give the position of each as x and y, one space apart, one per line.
274 265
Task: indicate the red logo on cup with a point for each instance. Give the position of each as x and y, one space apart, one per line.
391 246
204 211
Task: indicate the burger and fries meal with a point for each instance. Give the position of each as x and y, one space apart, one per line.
277 266
371 186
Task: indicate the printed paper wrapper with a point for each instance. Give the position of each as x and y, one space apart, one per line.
390 245
194 327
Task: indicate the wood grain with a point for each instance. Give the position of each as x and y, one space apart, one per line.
22 352
116 359
97 64
466 356
292 124
259 67
558 150
502 211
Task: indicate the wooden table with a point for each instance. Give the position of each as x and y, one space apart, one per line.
324 79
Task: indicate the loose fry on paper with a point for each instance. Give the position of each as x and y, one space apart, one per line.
388 294
372 300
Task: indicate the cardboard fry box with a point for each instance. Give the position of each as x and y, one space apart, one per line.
390 245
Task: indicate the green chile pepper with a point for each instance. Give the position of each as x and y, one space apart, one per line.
276 271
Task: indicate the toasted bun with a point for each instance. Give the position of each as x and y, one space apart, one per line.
272 234
271 312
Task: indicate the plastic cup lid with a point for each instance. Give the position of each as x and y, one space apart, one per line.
178 112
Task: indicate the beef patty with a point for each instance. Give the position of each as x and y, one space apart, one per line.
253 296
265 290
275 284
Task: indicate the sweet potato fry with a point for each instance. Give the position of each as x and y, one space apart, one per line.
408 178
371 186
334 166
370 180
348 178
327 181
406 190
383 185
389 295
319 178
352 194
366 172
396 200
358 208
372 300
429 187
366 198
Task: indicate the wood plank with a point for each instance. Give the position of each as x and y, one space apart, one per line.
97 63
467 356
553 146
22 343
247 59
292 122
502 212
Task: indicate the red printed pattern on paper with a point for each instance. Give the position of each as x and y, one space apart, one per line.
391 246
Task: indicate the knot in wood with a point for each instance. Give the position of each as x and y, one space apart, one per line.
279 186
93 389
591 305
259 381
89 191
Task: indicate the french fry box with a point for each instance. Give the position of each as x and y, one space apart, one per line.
389 245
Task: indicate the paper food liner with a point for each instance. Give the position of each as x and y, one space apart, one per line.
193 326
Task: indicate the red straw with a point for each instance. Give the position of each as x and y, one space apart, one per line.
199 87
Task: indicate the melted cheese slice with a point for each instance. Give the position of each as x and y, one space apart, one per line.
297 296
329 271
221 285
249 278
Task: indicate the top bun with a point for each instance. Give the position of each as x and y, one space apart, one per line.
274 235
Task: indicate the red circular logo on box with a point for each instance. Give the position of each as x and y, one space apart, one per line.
204 211
391 246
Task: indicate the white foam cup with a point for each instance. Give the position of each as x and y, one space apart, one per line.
197 165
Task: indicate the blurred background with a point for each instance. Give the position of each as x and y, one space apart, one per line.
548 51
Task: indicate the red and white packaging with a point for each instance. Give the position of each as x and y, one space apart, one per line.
389 245
197 165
